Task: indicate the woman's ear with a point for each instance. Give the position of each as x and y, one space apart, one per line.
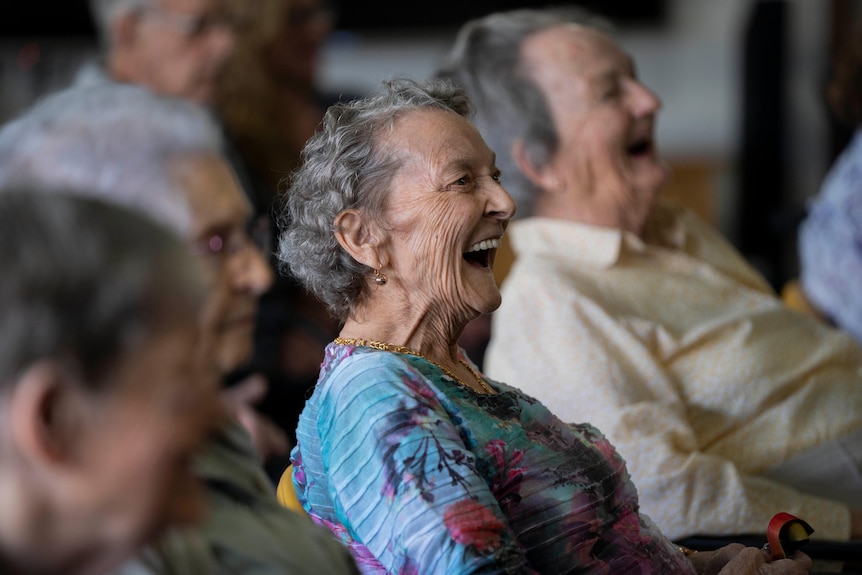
359 238
45 406
544 178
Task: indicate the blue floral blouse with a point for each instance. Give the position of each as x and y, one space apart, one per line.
419 475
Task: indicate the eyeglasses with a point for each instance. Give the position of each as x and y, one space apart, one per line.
194 25
224 247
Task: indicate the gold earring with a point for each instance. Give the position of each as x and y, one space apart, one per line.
379 278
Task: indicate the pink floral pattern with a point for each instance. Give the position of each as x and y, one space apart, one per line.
471 524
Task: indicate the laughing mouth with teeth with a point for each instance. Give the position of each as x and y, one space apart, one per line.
480 252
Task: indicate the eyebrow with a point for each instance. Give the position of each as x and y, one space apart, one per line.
610 73
227 226
473 164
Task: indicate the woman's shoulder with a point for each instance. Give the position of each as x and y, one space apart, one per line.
355 369
340 358
544 414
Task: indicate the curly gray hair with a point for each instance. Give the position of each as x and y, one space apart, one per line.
346 165
486 61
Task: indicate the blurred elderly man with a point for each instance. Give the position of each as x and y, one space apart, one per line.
180 48
173 47
163 155
636 316
103 391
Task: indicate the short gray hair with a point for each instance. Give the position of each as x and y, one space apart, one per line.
345 166
113 141
104 12
84 281
486 60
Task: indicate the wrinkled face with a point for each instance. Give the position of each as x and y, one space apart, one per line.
607 163
179 47
446 212
141 435
220 214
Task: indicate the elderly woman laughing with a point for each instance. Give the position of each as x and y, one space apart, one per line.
414 459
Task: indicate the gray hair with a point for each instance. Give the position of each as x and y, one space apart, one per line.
486 60
83 281
112 141
345 165
104 12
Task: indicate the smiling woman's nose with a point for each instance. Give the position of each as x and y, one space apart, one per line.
501 205
646 101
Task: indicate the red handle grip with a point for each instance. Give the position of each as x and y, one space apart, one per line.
785 534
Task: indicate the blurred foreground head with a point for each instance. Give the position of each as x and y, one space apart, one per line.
105 393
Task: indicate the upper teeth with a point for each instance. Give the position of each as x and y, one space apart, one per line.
485 245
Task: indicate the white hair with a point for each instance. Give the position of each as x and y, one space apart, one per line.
111 141
104 12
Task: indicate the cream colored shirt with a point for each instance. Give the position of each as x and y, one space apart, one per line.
682 354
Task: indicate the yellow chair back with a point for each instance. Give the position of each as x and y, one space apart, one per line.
794 298
286 493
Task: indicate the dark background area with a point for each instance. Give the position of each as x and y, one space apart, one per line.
47 19
396 14
70 18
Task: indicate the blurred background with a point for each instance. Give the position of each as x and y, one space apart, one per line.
745 125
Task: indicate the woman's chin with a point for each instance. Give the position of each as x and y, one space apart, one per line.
490 302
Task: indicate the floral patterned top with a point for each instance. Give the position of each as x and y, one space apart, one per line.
418 474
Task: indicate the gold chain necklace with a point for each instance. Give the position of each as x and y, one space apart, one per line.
406 350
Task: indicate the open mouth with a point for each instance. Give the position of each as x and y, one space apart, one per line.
640 147
481 253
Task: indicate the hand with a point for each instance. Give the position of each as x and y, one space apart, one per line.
268 438
736 559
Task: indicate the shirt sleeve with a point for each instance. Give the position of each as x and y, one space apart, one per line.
401 479
565 349
247 531
830 247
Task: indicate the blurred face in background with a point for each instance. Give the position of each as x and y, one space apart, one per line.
220 216
606 166
294 53
174 47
